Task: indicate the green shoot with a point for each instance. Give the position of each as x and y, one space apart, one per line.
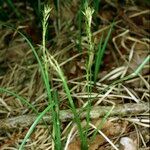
100 54
80 19
102 123
34 125
56 123
55 114
135 73
57 7
96 5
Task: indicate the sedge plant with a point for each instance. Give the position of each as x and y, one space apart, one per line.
43 66
40 115
44 73
51 95
99 56
53 102
53 63
88 21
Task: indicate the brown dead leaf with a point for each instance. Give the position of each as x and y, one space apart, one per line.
106 15
75 145
110 129
99 140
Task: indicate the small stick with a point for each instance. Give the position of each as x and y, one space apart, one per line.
129 109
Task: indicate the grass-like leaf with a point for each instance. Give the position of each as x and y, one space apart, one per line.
11 5
56 123
34 125
104 119
23 100
56 66
135 73
100 53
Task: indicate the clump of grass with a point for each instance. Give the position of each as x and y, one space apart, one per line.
57 68
44 72
50 60
52 98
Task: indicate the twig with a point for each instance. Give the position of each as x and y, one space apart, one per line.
129 109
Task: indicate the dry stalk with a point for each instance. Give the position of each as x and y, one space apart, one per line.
67 115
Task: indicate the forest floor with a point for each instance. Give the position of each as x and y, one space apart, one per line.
119 102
